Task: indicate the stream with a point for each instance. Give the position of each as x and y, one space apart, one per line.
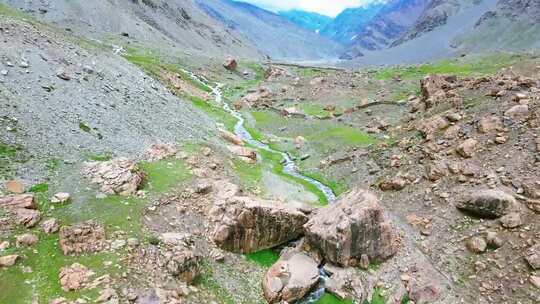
289 167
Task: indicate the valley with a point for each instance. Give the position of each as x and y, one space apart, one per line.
164 152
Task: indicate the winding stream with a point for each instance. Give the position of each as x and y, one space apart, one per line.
289 168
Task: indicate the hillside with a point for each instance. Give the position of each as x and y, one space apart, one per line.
308 20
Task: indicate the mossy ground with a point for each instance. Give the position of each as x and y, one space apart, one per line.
264 258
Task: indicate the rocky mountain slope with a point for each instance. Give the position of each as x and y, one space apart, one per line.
278 37
308 20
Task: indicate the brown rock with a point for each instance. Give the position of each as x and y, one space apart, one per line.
535 281
26 240
434 89
230 64
531 188
352 226
15 187
74 277
345 283
397 183
230 137
50 226
185 265
290 278
23 207
247 225
117 176
493 240
429 127
476 245
8 260
490 124
489 203
88 237
511 220
532 256
518 112
467 148
424 294
436 170
157 152
246 154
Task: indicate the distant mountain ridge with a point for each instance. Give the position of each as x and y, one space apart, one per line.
308 20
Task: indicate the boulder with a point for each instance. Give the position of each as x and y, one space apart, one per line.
74 277
8 260
26 240
511 220
158 152
230 64
290 278
467 148
245 225
60 198
184 265
490 124
532 256
353 226
117 176
477 244
14 186
246 154
345 283
396 183
23 206
429 127
434 88
230 137
517 112
87 237
531 188
436 170
492 203
50 226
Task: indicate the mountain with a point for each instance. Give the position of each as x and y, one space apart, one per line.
275 35
158 24
308 20
347 25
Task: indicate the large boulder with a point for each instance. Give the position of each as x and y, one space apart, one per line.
492 203
230 64
23 206
88 237
435 87
118 176
353 226
290 278
247 225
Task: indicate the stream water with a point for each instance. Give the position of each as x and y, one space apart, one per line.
289 167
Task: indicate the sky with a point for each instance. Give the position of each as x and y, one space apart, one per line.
325 7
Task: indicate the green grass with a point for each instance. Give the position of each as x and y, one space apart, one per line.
39 188
329 298
84 127
314 110
10 155
463 67
165 174
343 134
337 187
264 258
215 112
100 157
250 175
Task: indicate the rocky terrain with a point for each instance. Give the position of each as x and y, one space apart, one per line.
129 175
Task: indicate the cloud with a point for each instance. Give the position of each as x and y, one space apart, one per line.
325 7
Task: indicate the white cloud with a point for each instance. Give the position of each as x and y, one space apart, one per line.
325 7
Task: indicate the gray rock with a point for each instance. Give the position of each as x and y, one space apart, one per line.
489 203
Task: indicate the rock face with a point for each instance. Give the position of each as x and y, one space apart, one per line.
24 207
353 226
74 277
87 237
489 203
247 225
290 278
117 176
158 152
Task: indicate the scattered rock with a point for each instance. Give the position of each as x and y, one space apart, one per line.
8 260
50 226
290 278
117 176
158 152
185 265
246 154
352 226
436 170
490 124
491 203
74 277
477 244
467 148
26 240
230 137
434 88
397 183
87 237
60 198
247 225
511 220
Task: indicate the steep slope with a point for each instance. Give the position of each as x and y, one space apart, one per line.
346 26
308 20
273 34
157 24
